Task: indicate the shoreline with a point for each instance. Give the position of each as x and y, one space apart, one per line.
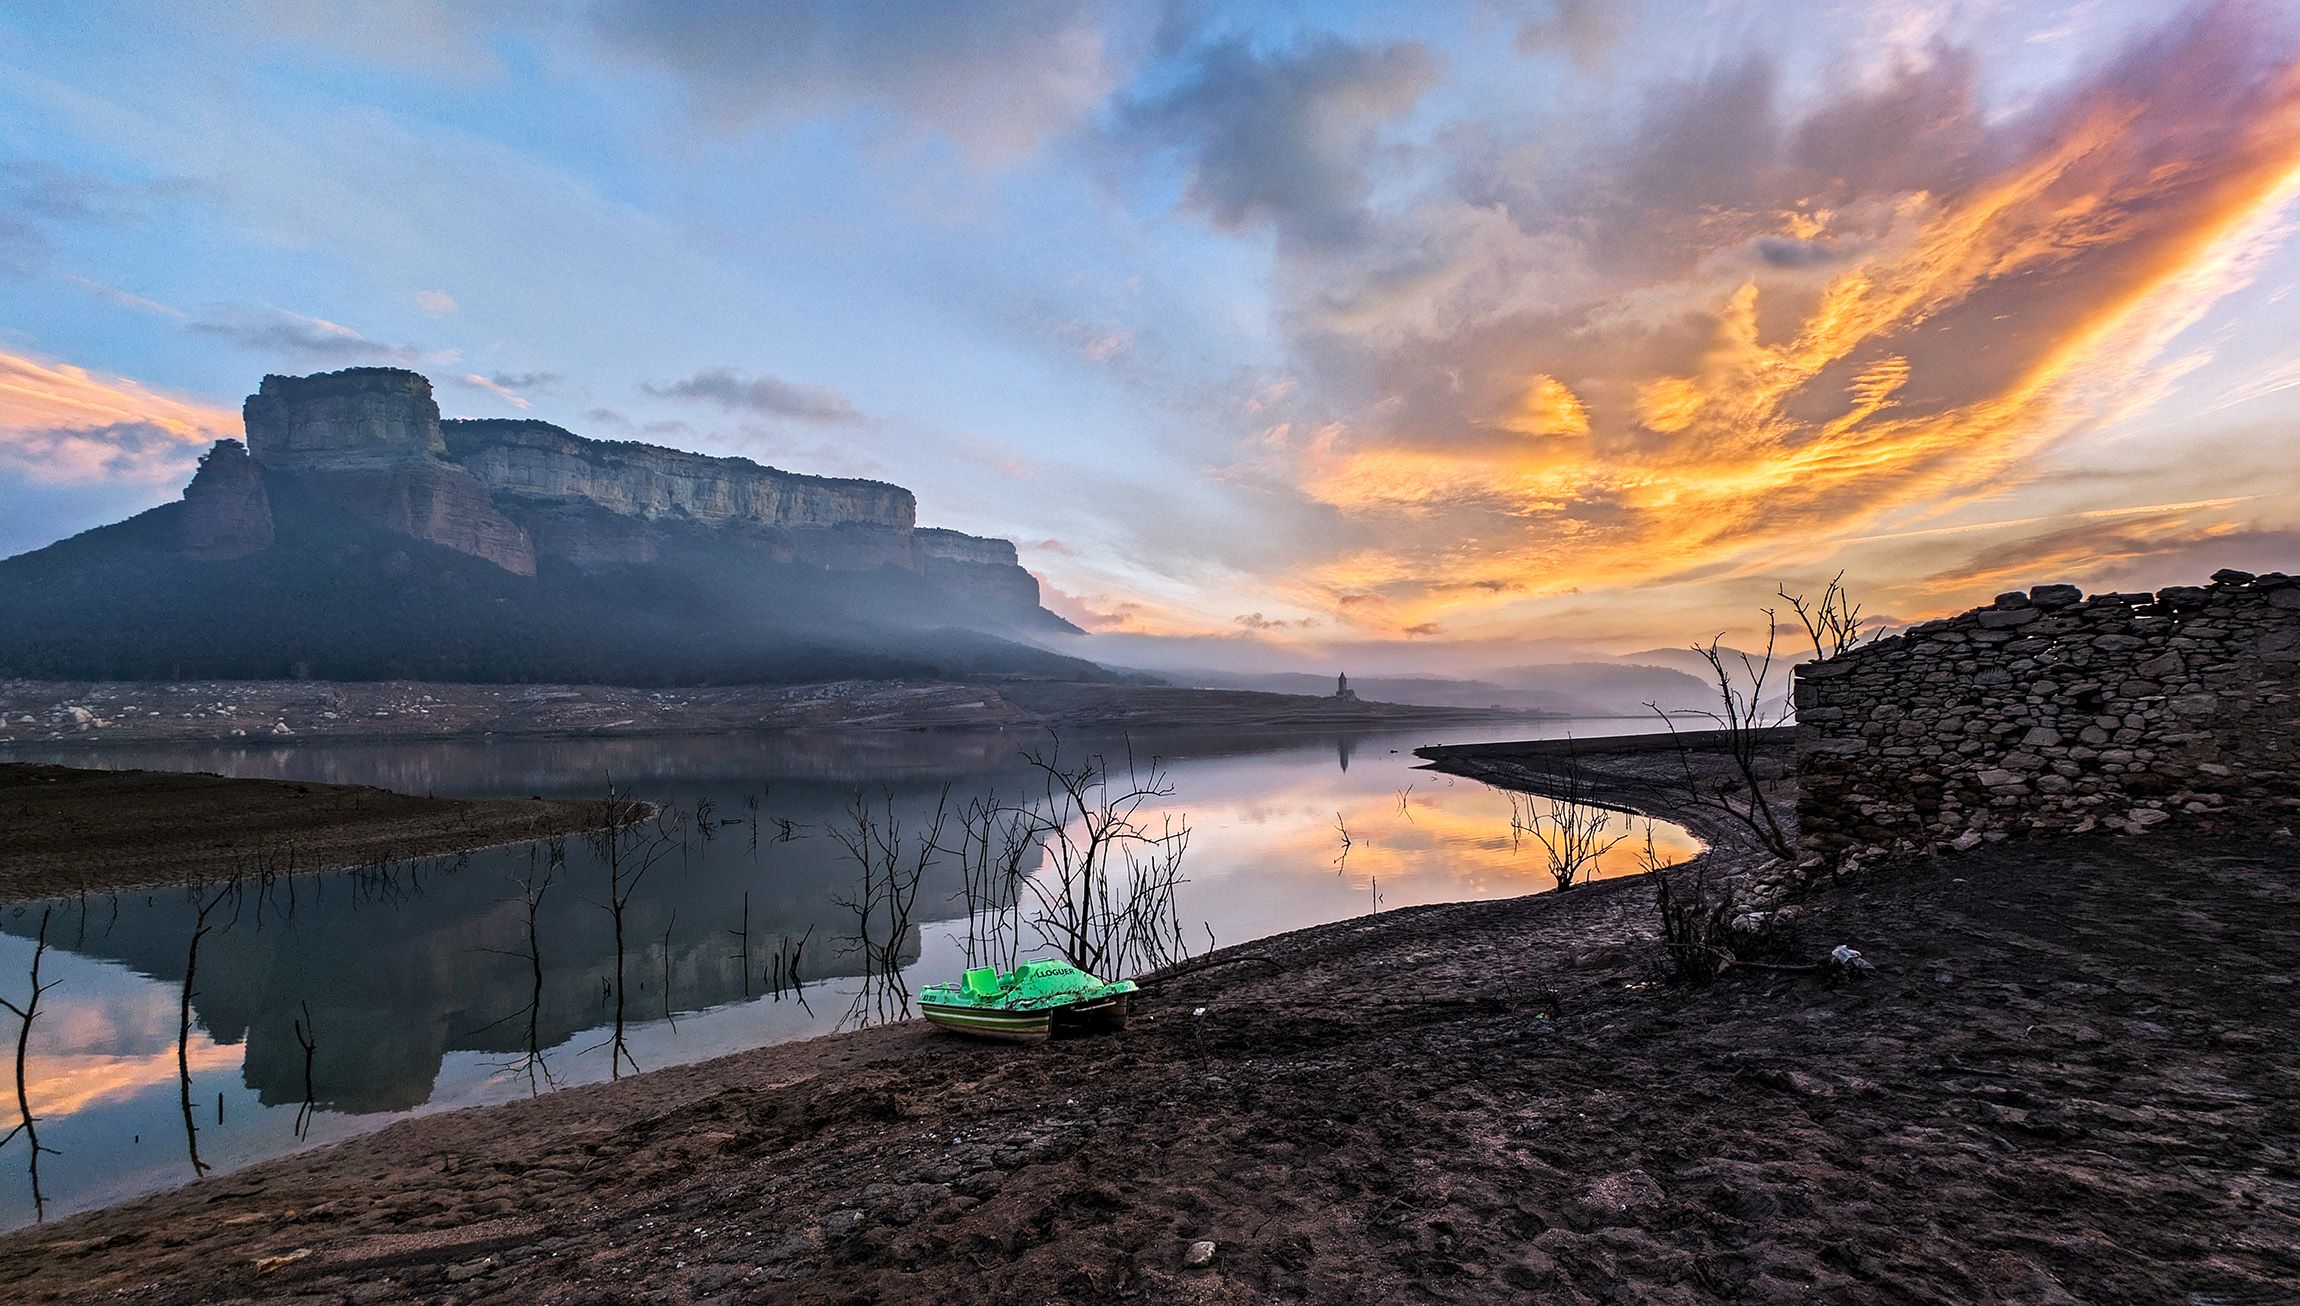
1992 1083
45 715
78 831
2033 1133
1644 775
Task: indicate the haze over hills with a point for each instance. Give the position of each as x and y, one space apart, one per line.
1575 689
357 536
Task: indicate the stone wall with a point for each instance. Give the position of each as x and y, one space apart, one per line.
2051 712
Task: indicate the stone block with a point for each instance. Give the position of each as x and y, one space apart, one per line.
2055 596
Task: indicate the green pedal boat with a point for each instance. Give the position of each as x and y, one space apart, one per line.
1026 1004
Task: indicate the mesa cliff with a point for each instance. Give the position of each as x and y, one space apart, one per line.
369 442
355 535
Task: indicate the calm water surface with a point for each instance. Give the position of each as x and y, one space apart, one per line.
416 991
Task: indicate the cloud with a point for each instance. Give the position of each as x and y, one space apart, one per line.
35 196
64 424
995 77
279 332
765 395
1286 136
438 303
507 385
1585 31
1754 324
2178 544
1256 621
1103 347
115 295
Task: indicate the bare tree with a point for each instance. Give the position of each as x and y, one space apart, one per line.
307 1038
200 928
994 843
892 869
26 1123
545 860
630 844
1749 710
1105 896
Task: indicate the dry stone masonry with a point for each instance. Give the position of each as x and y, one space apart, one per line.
2049 712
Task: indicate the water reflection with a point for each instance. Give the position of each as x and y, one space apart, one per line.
184 1031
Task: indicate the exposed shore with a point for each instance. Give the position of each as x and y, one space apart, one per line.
80 831
1648 774
79 713
2067 1079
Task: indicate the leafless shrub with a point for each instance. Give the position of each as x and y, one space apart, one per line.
1696 910
1575 833
1833 622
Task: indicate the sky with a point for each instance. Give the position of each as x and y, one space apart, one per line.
1436 336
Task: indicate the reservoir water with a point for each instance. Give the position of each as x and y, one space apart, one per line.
184 1032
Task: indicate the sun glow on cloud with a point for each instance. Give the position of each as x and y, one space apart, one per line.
1326 334
62 423
1923 360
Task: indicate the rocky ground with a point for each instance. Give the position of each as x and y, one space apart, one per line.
48 712
71 831
2069 1078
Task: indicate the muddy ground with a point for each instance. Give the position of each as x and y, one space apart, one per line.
2069 1079
47 712
65 830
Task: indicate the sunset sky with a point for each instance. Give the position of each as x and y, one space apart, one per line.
1431 335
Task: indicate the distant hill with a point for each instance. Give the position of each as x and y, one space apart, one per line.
353 538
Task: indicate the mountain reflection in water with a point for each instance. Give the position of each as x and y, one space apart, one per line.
420 993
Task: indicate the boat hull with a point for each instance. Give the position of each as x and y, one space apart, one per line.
1029 1026
984 1022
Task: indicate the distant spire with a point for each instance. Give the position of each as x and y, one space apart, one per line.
1342 686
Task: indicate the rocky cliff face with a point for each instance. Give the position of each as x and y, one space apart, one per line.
338 421
370 442
226 512
537 460
985 571
367 439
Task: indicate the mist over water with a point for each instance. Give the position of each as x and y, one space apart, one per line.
420 994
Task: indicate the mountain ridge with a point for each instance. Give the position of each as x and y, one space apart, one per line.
357 535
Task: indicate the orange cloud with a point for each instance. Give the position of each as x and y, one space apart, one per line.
1970 328
60 1086
63 423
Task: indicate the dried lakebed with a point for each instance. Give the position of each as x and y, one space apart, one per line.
2030 1099
73 831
